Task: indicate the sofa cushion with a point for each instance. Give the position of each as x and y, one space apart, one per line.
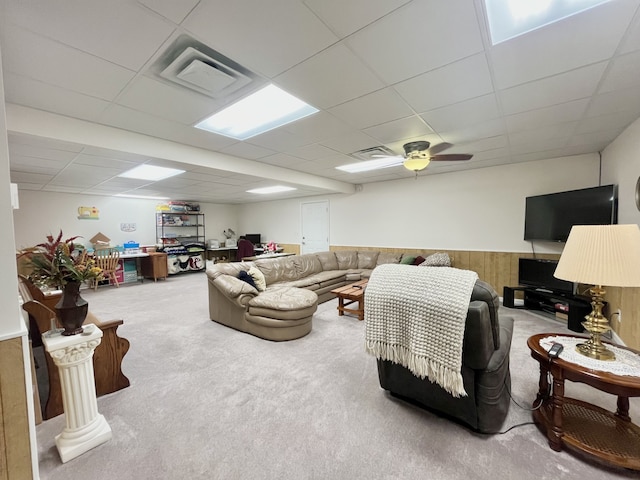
388 257
327 260
307 265
275 270
347 259
284 303
367 259
258 278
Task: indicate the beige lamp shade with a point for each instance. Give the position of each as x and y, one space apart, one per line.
603 255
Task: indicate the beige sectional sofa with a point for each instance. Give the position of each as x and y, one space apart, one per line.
294 286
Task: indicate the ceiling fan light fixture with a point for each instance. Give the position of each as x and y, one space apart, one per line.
416 164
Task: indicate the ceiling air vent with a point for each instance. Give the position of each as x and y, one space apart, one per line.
372 153
202 73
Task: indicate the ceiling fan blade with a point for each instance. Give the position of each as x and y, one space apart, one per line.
387 156
440 147
451 157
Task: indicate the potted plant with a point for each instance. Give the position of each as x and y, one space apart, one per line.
64 265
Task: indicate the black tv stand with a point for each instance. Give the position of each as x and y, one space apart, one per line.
574 307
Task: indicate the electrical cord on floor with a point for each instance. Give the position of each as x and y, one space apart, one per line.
517 404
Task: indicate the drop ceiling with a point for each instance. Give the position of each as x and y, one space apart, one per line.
86 100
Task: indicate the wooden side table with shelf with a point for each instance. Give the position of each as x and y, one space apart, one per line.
579 426
155 266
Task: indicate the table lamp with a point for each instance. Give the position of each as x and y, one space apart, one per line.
600 255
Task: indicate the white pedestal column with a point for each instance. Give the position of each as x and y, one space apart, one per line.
86 428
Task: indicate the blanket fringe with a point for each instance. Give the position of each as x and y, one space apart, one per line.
421 367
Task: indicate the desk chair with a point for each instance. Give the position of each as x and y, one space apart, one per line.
107 259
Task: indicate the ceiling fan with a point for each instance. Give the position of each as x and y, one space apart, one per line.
418 155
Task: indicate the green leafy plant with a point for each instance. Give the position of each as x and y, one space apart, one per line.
57 262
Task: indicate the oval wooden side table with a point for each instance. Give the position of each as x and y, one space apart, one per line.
579 426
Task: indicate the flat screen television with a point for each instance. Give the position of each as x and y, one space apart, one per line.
538 273
254 238
550 217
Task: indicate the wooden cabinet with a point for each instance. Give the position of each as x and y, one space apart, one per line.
155 266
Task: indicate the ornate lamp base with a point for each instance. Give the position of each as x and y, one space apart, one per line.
596 324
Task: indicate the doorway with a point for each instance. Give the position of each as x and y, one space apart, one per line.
315 227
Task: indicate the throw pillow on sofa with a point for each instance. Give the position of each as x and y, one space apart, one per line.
408 259
245 277
419 259
258 278
439 259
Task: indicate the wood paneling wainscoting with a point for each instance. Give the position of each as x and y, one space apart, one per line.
15 447
500 269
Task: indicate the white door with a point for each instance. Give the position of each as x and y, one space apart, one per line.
315 227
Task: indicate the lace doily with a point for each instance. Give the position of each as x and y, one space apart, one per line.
626 362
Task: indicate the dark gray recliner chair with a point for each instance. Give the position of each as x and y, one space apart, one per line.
485 369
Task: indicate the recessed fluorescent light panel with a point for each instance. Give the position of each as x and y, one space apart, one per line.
260 112
375 164
267 190
140 196
151 173
510 18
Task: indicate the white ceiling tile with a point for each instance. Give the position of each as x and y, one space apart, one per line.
564 112
125 34
468 112
29 186
83 175
63 66
62 189
283 160
401 45
99 161
42 143
42 96
624 72
399 130
136 121
35 165
482 145
320 80
344 18
632 38
561 46
488 129
170 9
351 142
174 103
560 88
601 137
278 139
453 83
311 152
265 28
612 102
45 154
373 109
534 147
247 150
318 127
554 131
618 120
26 177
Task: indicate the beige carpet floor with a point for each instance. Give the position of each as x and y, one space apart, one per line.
208 402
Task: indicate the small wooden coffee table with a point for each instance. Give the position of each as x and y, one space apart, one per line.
351 293
580 426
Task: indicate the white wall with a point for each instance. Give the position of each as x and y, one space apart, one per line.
44 213
479 209
621 165
11 322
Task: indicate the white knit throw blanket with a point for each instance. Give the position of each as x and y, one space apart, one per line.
415 316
